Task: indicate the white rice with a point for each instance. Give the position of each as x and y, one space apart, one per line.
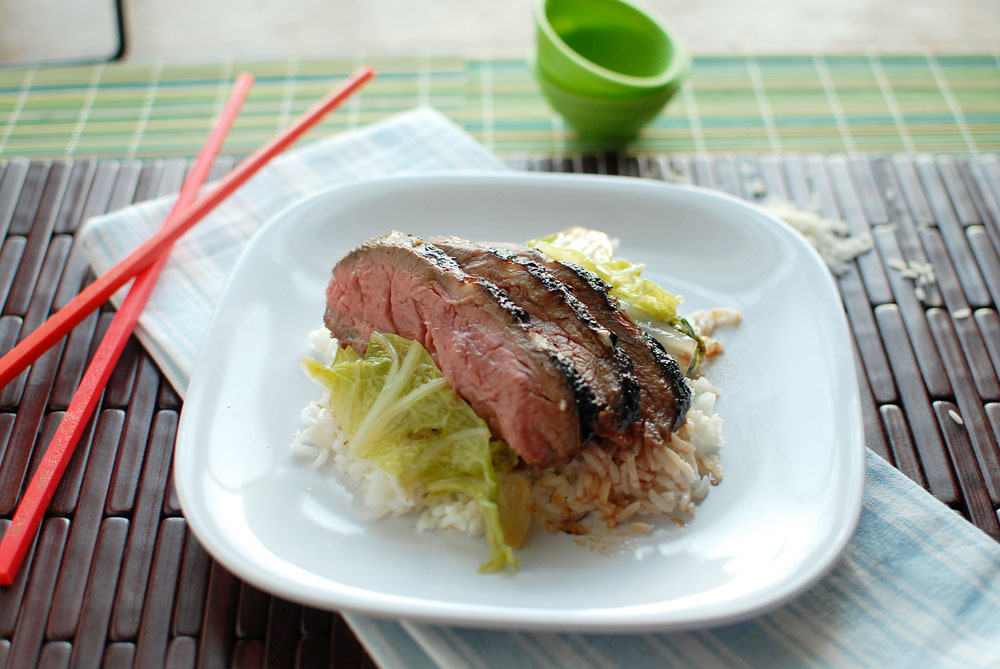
612 488
322 440
830 237
602 490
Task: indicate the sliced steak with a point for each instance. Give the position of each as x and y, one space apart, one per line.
664 396
566 322
527 390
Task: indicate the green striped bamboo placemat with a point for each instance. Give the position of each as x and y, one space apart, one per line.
774 104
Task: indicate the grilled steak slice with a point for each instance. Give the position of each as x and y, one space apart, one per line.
664 396
564 320
528 392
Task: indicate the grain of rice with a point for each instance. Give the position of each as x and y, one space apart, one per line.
613 473
633 473
660 501
707 321
629 511
581 485
830 237
592 460
682 448
602 496
664 482
959 314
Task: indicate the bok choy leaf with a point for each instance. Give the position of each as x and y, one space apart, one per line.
399 412
651 307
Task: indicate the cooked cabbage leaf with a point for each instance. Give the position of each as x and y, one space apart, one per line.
652 307
399 412
593 251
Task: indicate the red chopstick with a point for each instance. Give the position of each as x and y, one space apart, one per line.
98 292
36 498
28 514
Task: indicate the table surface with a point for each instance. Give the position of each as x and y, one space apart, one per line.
114 575
774 104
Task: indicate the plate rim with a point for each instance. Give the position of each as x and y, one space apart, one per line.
489 616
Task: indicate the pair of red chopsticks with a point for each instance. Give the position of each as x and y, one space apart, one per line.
143 264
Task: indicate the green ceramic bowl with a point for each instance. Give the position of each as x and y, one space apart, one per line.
604 121
606 48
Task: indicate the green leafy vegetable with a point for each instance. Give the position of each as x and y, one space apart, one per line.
399 412
584 248
649 305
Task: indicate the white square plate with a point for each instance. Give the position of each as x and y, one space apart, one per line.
793 458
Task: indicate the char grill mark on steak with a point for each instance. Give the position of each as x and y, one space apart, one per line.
592 281
583 395
601 367
503 299
631 390
446 262
665 395
672 373
433 253
526 390
554 285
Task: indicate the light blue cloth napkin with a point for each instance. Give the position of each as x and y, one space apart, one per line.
176 317
917 585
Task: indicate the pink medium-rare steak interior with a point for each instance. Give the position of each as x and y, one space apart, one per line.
664 395
524 389
567 323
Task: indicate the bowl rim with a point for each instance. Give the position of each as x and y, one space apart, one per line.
676 68
609 125
644 97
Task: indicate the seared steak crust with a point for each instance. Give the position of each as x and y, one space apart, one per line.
673 378
558 315
527 390
540 349
665 396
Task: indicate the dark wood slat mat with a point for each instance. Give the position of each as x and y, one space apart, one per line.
115 577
